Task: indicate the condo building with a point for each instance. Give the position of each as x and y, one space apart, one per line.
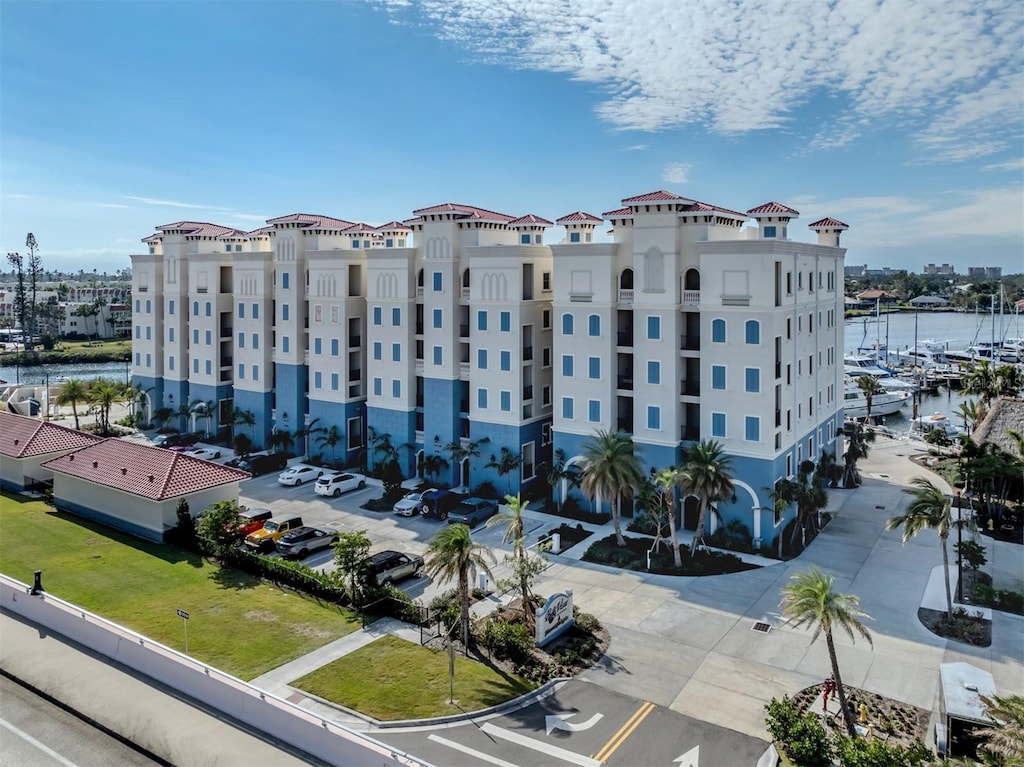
462 333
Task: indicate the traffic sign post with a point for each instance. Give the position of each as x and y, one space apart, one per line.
184 622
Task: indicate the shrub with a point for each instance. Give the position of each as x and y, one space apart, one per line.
735 536
285 573
507 640
643 523
585 621
871 752
573 510
488 491
445 607
802 734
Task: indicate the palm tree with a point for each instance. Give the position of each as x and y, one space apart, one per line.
706 473
811 598
666 481
968 411
103 393
1009 380
515 533
858 437
71 393
1018 440
1004 739
611 469
505 463
931 509
870 386
433 464
330 437
457 453
982 380
454 556
244 418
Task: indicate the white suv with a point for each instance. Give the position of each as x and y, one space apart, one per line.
334 485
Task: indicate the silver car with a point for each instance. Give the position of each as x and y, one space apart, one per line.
302 541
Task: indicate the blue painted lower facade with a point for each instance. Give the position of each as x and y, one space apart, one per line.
64 504
260 404
206 394
292 384
513 438
401 426
328 414
441 418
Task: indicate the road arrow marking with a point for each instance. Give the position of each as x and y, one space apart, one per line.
559 722
689 759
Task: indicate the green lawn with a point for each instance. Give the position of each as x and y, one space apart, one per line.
237 623
114 350
391 678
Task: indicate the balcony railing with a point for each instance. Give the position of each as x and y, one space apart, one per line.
688 343
464 371
581 298
226 362
465 294
625 382
355 390
419 328
354 342
202 290
463 331
626 296
419 291
691 298
355 374
625 337
527 392
527 353
689 432
689 388
143 289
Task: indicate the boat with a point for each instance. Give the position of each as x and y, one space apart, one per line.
882 404
925 424
919 356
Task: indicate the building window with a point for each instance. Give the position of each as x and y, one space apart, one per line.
752 331
438 282
334 381
241 311
149 361
285 280
396 352
567 368
195 336
355 432
195 364
318 380
255 311
545 396
389 242
506 321
752 428
718 424
209 308
209 367
753 380
138 306
481 399
653 372
481 320
241 339
481 359
567 404
396 316
378 385
396 388
594 367
545 319
149 333
524 239
506 401
377 315
437 355
769 232
653 328
654 417
594 411
718 376
255 340
170 335
567 323
718 331
574 236
317 345
284 344
506 360
285 312
170 362
545 356
209 337
594 324
138 359
378 350
255 372
334 347
438 318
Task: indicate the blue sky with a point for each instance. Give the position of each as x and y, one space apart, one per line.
901 118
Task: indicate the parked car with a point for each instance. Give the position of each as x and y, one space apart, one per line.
297 475
273 529
336 484
437 503
472 511
390 566
174 439
412 503
206 453
251 520
305 540
260 463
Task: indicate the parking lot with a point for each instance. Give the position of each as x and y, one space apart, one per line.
386 530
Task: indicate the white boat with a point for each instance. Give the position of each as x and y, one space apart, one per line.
865 363
882 404
926 423
919 356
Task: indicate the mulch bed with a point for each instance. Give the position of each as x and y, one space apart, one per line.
895 722
969 630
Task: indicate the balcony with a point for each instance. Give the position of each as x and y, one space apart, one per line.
688 432
419 400
226 362
778 418
355 374
625 337
463 405
419 291
465 294
142 289
778 370
354 342
625 382
625 424
463 331
688 343
626 297
527 353
735 300
464 371
581 298
691 298
527 392
355 390
202 290
419 328
689 388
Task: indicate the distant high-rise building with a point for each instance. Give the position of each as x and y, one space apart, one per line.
985 272
942 269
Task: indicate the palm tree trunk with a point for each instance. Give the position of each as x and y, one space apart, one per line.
74 410
698 534
676 556
617 520
464 607
945 572
843 706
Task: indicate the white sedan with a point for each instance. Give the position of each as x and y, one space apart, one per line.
296 475
411 504
206 453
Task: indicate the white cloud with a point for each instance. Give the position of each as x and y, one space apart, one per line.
637 148
947 74
112 205
1011 165
167 203
676 173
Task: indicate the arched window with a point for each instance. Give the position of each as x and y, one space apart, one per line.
209 309
149 306
138 306
419 279
195 308
718 331
626 279
567 324
752 331
465 278
594 324
691 280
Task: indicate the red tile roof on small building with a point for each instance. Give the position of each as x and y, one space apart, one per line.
260 232
706 207
360 228
618 213
659 196
579 217
148 472
312 221
827 223
393 226
465 211
867 295
198 229
530 218
152 238
772 209
24 437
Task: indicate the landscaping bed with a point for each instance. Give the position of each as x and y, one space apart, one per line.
961 627
392 679
569 535
633 556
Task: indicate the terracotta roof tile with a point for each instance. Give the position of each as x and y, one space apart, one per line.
360 228
24 437
659 196
393 226
143 470
197 228
827 223
579 217
260 232
772 208
152 238
469 211
530 218
312 221
618 213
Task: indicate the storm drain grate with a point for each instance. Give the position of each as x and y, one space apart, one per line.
762 627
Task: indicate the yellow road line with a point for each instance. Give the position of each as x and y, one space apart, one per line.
624 732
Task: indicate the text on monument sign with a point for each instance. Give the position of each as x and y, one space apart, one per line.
554 617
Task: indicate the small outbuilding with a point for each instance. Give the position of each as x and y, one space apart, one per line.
962 710
929 302
27 443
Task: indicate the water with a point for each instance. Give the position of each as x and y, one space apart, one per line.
37 374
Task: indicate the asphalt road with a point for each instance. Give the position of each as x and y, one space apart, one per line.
36 733
586 725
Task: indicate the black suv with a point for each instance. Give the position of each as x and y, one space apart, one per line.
174 439
262 463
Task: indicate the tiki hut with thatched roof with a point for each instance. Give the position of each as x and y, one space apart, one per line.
1006 415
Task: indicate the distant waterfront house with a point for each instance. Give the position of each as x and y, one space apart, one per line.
929 302
880 296
26 443
135 487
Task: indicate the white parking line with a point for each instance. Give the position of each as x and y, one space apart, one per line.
41 746
545 748
471 751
